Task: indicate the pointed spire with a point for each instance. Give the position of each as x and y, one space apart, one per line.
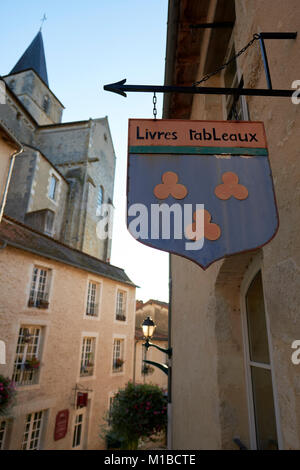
34 58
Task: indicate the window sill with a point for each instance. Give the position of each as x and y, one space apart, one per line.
23 388
87 377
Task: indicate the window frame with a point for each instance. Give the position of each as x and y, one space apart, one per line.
35 300
98 299
76 425
52 191
99 201
84 352
121 355
125 306
32 430
250 274
19 365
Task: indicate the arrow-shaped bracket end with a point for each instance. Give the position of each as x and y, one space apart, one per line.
116 87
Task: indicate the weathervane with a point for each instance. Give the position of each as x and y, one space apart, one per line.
42 21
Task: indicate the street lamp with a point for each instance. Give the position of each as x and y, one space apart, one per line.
148 327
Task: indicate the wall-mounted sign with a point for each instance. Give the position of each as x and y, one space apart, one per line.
200 189
82 399
61 424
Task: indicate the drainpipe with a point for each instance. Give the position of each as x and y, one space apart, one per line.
134 361
8 178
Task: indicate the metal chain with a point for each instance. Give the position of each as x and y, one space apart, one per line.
154 105
255 37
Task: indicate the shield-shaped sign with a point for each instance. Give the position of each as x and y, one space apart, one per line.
200 189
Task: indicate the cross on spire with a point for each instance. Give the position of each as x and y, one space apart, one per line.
42 21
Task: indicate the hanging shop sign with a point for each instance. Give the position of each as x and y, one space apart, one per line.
200 189
82 399
61 424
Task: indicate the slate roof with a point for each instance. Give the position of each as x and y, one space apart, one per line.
25 238
34 58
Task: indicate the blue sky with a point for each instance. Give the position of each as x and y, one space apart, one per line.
89 44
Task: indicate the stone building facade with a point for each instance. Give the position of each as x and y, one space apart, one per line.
67 316
9 149
234 325
81 159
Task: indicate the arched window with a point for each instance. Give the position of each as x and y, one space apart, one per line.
99 200
259 367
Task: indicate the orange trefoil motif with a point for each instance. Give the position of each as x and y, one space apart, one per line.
231 187
170 187
195 231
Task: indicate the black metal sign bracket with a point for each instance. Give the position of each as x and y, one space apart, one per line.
121 89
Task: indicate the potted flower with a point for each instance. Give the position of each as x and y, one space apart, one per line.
43 303
7 394
121 317
118 363
32 364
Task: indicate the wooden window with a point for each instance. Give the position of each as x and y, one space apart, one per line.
33 430
78 431
118 353
92 306
87 356
259 368
27 359
121 306
39 294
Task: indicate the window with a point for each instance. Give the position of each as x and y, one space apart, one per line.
93 299
118 352
87 357
49 222
38 296
121 306
26 365
46 103
41 220
3 425
236 107
33 429
53 187
78 428
110 406
99 200
259 367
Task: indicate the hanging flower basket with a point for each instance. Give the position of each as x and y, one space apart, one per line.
7 394
147 370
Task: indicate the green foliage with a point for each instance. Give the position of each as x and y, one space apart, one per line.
7 394
138 411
